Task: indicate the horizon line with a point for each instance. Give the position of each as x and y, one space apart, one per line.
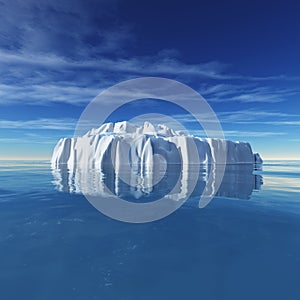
49 158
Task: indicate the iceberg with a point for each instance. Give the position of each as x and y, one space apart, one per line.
125 145
155 169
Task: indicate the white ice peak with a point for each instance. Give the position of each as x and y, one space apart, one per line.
128 128
124 144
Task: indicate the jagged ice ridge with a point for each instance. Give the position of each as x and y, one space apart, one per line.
123 143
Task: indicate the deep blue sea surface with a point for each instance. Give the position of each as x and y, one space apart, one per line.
244 245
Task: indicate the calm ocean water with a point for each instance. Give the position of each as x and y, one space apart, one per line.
244 245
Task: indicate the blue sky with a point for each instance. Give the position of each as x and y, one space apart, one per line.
242 56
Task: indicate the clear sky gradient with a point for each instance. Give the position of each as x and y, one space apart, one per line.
242 56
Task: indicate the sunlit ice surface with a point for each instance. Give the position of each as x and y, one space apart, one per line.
243 245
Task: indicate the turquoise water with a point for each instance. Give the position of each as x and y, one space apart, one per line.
244 245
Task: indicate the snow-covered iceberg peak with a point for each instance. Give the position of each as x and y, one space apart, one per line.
125 145
124 127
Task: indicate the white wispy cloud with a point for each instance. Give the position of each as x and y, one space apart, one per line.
43 124
46 77
245 134
250 116
46 93
238 134
69 125
247 93
38 140
144 65
41 64
279 123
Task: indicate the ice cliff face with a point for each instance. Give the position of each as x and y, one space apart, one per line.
123 144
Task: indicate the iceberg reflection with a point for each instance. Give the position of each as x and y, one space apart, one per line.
176 182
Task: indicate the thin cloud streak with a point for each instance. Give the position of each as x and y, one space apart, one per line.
240 134
144 65
39 79
42 124
248 93
246 117
69 124
27 141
